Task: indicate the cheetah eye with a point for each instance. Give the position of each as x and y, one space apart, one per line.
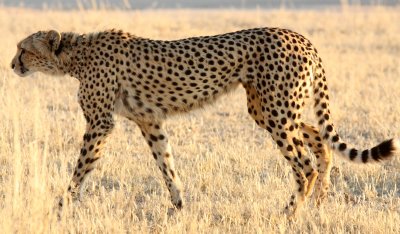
25 51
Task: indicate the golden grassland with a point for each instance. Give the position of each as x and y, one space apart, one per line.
235 179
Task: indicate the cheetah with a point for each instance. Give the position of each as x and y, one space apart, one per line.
148 80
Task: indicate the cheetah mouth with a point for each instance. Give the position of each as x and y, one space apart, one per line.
24 70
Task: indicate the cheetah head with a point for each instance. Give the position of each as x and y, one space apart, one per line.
38 53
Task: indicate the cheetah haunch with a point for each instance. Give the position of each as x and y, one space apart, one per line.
148 80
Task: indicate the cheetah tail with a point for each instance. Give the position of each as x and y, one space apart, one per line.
385 150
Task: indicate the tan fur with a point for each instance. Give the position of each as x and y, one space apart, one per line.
148 80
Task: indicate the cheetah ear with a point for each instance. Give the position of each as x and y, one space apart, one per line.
53 38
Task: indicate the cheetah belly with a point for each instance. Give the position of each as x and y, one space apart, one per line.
128 106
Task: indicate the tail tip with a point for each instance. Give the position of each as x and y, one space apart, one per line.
386 149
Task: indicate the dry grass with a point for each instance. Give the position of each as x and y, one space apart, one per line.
235 179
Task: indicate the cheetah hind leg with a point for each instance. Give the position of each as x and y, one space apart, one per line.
323 154
311 183
305 183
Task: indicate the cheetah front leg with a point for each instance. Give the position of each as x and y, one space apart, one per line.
157 139
99 124
93 141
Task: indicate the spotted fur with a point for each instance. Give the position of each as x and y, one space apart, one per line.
148 80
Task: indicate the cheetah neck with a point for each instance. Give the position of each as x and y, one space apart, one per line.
73 47
66 51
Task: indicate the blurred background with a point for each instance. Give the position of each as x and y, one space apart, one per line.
173 4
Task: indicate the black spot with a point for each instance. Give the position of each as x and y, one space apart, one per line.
295 141
87 137
342 146
271 123
335 138
153 138
353 154
329 128
375 153
364 156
